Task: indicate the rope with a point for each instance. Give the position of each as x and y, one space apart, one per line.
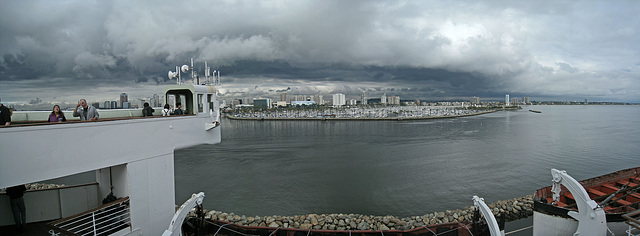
466 228
220 228
518 230
229 229
434 233
274 231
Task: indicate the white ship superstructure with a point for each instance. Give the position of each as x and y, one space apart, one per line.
132 157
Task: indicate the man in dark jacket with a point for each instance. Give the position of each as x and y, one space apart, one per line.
17 205
147 110
5 115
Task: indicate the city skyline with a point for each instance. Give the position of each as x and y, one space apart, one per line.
435 50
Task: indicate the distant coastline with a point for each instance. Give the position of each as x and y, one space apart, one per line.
363 118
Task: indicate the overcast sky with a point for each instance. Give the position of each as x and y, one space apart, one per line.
61 51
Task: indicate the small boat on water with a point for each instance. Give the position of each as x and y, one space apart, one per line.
535 111
558 210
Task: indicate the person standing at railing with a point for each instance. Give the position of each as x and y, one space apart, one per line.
88 112
17 206
57 115
167 110
178 110
147 110
5 115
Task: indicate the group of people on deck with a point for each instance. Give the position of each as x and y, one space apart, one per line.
166 111
87 112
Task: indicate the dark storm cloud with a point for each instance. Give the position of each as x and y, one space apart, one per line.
417 49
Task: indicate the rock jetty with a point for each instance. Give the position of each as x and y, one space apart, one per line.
513 209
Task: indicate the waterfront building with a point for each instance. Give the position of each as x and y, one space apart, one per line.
506 100
394 100
514 101
475 100
301 103
283 97
339 99
125 105
525 100
281 104
363 98
353 102
114 104
319 100
264 103
106 105
383 99
123 98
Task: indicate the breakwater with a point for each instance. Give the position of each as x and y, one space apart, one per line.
512 209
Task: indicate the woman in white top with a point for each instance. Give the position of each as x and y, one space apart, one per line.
166 111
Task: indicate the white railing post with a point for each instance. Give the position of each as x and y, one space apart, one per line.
93 217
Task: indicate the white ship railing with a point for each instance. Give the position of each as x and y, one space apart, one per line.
105 220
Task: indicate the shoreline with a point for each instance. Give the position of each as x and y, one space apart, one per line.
362 119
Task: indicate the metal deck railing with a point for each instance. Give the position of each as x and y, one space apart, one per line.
633 220
105 220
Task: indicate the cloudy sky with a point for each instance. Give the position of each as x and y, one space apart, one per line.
60 51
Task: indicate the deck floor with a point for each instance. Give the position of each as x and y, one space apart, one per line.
38 228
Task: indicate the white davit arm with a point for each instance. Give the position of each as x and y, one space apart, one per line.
176 223
591 217
488 216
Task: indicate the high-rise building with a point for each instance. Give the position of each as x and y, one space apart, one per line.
107 105
475 100
394 100
525 100
264 103
514 101
363 98
383 99
320 100
283 96
123 98
155 102
114 104
352 102
339 99
506 100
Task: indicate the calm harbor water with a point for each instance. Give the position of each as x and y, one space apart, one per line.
403 168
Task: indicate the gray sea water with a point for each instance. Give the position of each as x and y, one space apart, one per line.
403 168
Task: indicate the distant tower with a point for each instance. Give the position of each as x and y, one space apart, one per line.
283 97
383 99
506 100
156 101
586 101
123 98
339 99
363 98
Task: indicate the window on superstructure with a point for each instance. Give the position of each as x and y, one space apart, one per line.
200 103
210 100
